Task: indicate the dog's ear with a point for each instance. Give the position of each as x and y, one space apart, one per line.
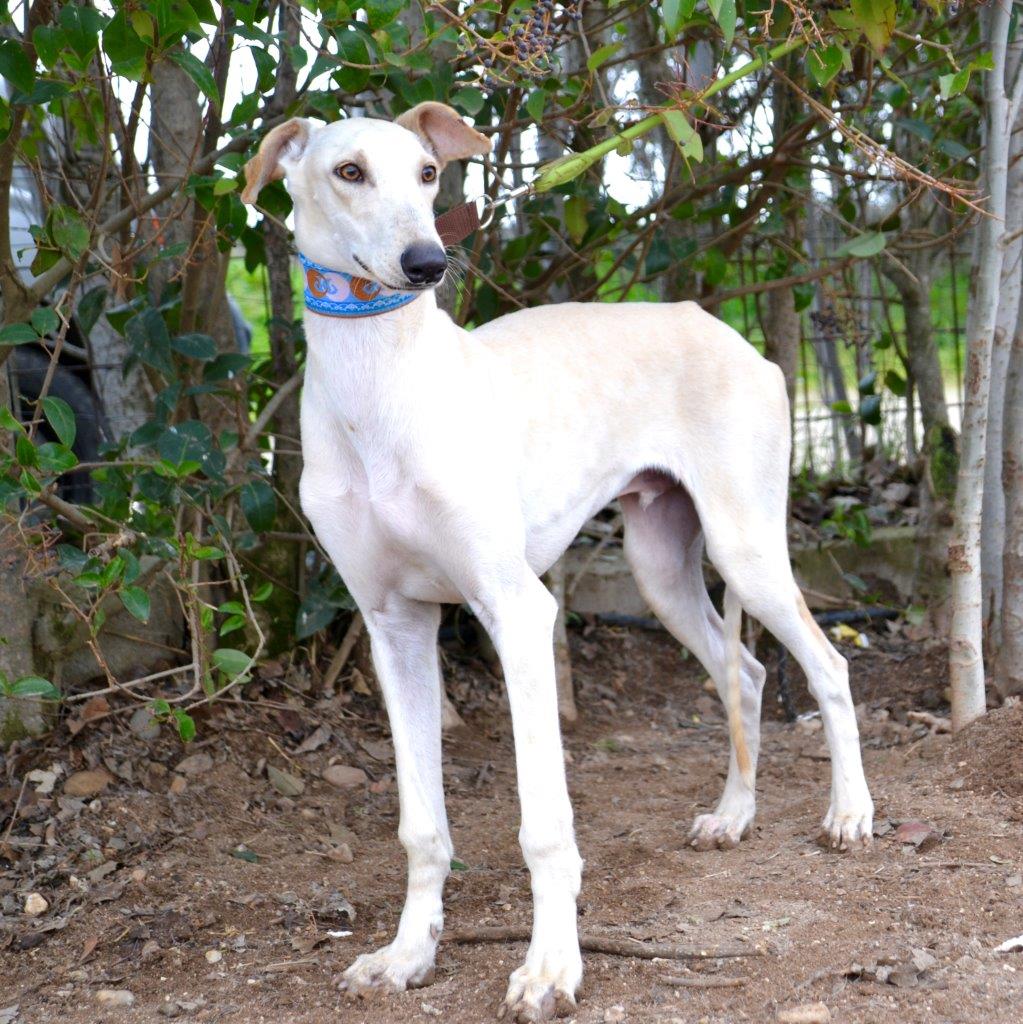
443 132
286 141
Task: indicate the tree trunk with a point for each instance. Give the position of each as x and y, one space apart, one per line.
1008 668
992 538
966 658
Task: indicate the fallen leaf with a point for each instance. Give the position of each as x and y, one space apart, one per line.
344 776
808 1013
316 739
284 782
918 834
87 783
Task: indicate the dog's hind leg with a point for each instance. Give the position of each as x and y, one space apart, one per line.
751 555
664 547
403 637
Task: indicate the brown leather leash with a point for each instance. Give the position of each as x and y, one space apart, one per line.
460 222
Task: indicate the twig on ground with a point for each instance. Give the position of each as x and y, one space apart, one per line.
344 652
598 944
703 981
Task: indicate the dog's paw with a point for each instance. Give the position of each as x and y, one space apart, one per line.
536 994
848 830
722 830
390 969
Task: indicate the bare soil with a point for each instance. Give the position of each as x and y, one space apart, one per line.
217 899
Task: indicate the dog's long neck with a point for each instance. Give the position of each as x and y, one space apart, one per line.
366 362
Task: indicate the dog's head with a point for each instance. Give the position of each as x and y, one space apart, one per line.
364 189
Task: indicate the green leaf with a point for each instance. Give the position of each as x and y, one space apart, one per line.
17 334
185 724
45 320
195 346
61 417
48 41
867 384
82 26
199 73
686 137
870 410
575 217
875 19
55 458
259 504
954 84
230 661
35 686
725 15
824 64
25 452
468 99
535 104
136 601
602 54
15 65
676 13
262 592
69 231
458 865
895 383
863 246
90 307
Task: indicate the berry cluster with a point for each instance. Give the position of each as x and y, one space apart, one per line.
532 36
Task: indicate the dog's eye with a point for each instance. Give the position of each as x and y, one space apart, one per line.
349 172
429 173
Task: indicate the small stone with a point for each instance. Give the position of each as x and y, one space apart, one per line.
139 875
214 956
344 776
44 780
195 764
923 960
144 725
341 854
1014 881
178 785
115 997
169 1009
35 904
808 1013
87 783
614 1014
284 782
150 949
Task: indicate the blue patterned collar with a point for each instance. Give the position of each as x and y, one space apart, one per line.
335 293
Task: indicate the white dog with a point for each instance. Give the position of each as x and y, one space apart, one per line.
443 466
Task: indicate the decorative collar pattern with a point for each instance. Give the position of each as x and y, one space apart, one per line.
335 293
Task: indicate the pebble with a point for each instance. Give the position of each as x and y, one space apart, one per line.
341 854
344 776
87 783
178 785
808 1013
35 904
214 956
144 725
195 764
284 782
115 997
614 1015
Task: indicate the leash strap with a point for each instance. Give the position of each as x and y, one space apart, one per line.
461 221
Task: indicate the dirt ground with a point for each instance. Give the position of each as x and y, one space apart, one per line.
211 897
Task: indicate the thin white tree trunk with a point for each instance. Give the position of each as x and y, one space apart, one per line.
1008 669
992 540
966 659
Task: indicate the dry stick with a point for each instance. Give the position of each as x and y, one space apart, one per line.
596 944
344 652
697 981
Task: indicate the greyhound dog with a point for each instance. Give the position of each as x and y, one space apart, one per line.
556 411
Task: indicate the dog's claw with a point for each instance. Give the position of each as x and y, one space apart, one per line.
387 970
849 831
539 995
714 831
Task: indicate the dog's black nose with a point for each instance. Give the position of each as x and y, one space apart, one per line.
424 263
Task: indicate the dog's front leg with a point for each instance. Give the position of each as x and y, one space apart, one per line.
404 644
520 620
